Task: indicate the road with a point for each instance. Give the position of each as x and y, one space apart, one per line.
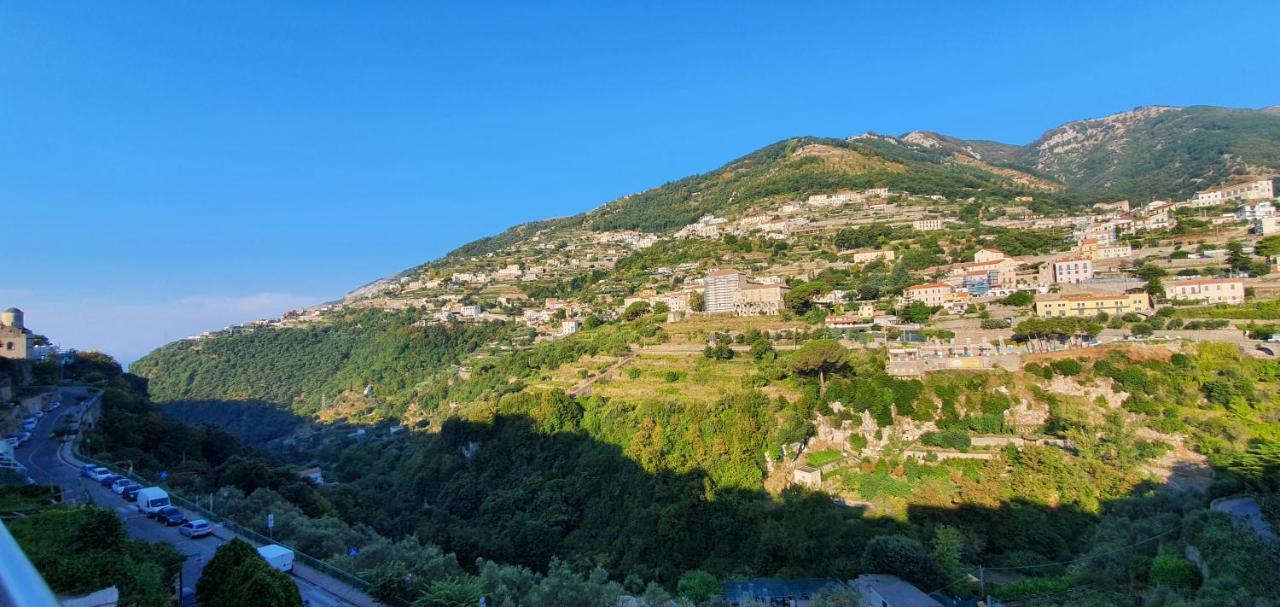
49 462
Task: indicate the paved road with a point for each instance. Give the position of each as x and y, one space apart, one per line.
50 462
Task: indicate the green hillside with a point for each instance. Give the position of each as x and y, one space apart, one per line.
1168 154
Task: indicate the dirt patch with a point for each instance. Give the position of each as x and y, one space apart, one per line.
1162 352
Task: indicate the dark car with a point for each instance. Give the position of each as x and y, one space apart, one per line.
170 516
130 493
109 480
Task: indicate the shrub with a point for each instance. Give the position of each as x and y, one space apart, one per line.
996 323
904 557
947 439
1067 366
1170 569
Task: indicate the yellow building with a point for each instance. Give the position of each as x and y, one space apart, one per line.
1085 305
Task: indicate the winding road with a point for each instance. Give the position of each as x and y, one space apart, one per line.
51 462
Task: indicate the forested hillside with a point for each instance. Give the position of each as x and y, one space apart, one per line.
654 492
299 367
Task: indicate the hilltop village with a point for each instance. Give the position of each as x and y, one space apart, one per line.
954 260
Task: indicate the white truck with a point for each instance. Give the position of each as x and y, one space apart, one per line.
279 557
152 499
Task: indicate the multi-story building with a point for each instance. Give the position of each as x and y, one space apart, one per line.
721 288
932 294
1266 226
989 255
927 225
1101 252
1071 270
1258 189
870 256
757 299
1250 211
1005 270
1085 305
1206 290
1103 233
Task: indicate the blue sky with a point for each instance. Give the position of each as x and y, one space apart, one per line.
170 168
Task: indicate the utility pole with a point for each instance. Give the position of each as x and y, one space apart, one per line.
982 582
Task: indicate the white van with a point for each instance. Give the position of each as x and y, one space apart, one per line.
152 499
279 557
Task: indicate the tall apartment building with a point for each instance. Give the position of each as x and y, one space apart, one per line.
722 287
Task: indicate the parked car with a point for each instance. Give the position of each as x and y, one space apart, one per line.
118 487
12 439
23 438
38 414
170 516
29 424
87 470
99 473
196 528
109 480
130 493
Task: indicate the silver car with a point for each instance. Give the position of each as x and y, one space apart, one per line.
119 486
196 528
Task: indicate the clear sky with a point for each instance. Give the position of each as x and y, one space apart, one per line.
167 168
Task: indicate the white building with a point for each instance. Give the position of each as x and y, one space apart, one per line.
1101 252
932 294
1250 211
1206 290
1266 226
873 255
721 288
927 225
1258 189
1071 270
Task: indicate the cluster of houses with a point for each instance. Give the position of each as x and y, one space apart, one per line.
787 219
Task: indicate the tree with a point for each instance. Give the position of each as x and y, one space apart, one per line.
904 557
697 585
720 351
463 591
1152 273
820 357
697 302
236 576
1237 258
916 312
1019 299
948 545
635 310
761 349
1268 247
